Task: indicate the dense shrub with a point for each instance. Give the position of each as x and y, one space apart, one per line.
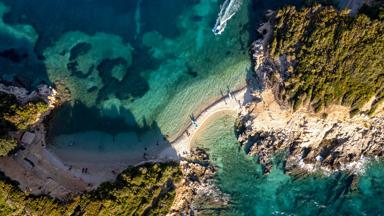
24 116
7 144
15 116
336 58
143 190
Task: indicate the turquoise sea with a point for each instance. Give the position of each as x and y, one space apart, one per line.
252 193
134 67
137 69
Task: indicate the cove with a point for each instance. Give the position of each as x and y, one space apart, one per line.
136 71
252 193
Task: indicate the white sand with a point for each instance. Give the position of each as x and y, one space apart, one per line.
60 172
234 103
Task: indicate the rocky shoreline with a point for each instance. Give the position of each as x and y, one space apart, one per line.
328 141
197 192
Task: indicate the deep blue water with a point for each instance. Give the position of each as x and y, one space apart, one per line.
138 70
131 66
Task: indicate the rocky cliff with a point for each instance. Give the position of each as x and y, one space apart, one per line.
197 193
330 139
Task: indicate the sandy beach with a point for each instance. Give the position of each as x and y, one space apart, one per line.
212 118
231 102
63 171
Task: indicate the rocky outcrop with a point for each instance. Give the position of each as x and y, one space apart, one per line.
197 193
329 141
313 143
42 92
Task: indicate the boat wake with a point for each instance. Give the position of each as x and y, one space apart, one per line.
227 10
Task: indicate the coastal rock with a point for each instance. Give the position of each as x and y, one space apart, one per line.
43 92
197 193
328 141
312 143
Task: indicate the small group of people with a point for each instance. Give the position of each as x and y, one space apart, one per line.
84 170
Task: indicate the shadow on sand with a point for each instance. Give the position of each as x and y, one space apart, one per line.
87 128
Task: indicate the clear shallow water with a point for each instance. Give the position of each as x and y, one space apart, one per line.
278 194
135 67
139 67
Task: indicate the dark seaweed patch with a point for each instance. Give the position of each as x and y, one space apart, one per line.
130 87
106 66
72 67
79 49
191 71
13 55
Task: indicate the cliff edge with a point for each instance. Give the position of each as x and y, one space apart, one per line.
320 101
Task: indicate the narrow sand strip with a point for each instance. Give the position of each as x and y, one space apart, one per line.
211 119
230 102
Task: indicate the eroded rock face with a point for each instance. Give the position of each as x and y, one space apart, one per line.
312 143
329 141
197 193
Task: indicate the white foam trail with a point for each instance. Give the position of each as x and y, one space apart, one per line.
227 10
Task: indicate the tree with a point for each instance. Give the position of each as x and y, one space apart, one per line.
334 58
7 144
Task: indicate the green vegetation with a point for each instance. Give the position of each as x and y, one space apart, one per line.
330 57
7 144
6 101
24 116
16 117
145 190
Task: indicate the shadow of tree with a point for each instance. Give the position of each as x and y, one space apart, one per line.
78 117
75 118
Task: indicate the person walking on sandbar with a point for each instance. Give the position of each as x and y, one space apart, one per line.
193 120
